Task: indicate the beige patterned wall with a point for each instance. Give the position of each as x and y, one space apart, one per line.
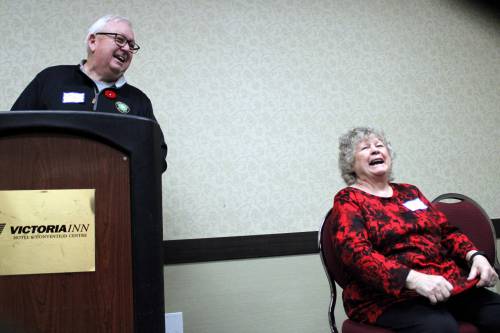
252 96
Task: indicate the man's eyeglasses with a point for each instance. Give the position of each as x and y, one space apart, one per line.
121 41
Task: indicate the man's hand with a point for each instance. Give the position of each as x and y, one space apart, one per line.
435 287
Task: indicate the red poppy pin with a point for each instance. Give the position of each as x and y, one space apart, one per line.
111 94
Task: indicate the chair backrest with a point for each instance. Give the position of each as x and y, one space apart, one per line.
472 220
331 264
335 272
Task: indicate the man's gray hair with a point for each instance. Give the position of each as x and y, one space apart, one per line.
100 23
347 150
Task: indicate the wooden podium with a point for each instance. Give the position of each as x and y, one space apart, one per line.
119 157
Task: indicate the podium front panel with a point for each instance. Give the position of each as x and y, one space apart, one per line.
81 302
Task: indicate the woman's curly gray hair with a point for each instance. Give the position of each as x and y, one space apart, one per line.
347 149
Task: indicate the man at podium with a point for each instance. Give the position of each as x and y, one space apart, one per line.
97 83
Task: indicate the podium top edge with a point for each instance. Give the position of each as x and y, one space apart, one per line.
66 113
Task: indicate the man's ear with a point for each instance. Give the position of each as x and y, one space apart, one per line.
91 42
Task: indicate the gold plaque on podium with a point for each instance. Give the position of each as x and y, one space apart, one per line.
47 231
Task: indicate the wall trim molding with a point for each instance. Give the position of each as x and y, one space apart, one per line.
246 247
239 247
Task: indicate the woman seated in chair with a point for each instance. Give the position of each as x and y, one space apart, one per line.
409 269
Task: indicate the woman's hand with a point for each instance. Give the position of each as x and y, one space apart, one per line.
435 287
482 268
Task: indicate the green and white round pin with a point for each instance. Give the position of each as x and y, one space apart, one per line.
122 107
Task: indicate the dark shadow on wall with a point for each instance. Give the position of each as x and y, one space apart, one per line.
483 9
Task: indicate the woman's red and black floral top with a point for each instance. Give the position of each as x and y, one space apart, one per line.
380 239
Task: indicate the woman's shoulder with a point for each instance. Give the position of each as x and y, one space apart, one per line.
346 191
351 194
344 194
347 199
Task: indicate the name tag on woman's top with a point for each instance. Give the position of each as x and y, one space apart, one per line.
415 204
